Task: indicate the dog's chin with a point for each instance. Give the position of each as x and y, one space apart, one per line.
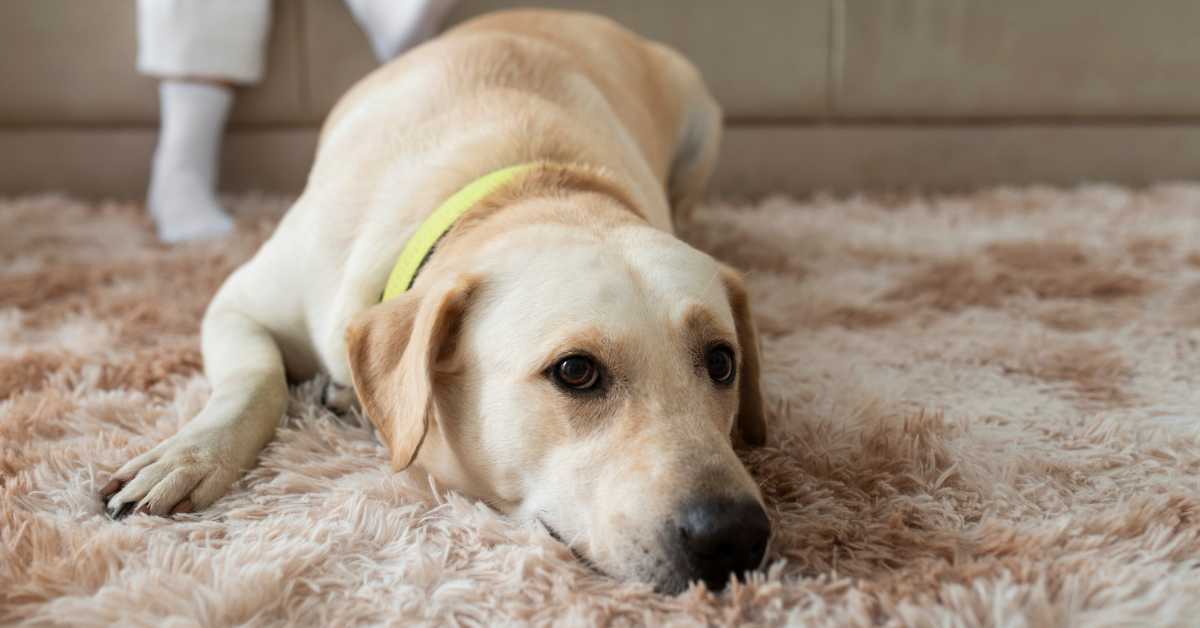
640 566
665 580
575 551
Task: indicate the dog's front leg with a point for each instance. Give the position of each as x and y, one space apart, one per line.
193 468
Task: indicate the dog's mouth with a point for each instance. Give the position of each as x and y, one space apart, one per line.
574 552
553 533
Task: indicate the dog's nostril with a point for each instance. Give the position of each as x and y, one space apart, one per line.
719 537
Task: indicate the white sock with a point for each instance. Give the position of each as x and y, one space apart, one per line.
394 26
183 184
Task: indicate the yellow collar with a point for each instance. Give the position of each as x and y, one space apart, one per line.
439 222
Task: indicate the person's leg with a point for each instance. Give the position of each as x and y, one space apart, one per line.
200 48
183 181
394 26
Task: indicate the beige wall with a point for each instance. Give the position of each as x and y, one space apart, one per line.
819 93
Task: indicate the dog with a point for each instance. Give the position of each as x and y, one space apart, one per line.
552 348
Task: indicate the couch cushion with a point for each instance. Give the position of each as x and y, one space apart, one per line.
762 59
983 58
72 62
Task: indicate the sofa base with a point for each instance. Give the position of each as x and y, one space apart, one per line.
757 159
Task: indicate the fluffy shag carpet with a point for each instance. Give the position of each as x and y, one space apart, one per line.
986 411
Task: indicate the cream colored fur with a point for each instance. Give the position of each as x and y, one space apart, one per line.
578 256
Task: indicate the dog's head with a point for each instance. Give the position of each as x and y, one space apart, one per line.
591 379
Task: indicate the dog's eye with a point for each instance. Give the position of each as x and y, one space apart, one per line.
720 364
576 372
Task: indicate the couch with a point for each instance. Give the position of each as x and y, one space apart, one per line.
818 94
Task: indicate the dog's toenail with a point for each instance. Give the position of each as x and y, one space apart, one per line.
120 511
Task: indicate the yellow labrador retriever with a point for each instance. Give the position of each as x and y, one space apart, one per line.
559 354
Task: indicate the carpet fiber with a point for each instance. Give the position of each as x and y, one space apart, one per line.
985 411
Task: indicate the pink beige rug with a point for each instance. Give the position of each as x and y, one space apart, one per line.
986 412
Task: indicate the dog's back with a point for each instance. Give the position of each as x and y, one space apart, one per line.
570 86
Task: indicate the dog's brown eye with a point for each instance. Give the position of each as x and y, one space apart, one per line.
720 364
577 372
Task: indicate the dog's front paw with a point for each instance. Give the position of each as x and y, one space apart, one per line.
186 472
338 398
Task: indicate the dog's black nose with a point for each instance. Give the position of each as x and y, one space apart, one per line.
719 537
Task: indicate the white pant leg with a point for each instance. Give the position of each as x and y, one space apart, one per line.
224 40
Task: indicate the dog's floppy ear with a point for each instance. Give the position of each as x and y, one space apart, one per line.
393 349
751 424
